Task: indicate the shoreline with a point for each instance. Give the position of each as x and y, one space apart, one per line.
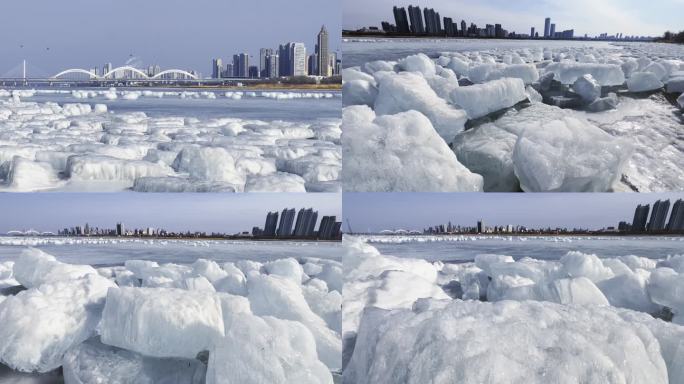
239 239
402 36
630 234
281 87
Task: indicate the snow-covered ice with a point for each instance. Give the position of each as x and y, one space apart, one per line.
612 96
53 141
501 319
277 320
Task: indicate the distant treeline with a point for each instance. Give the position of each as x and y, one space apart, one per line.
672 37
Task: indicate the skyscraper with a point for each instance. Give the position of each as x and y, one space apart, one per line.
547 26
552 31
271 224
241 65
253 72
264 53
450 28
306 222
272 65
532 32
286 221
658 215
120 229
640 218
416 20
216 68
322 53
284 60
676 222
298 59
401 20
312 64
106 68
328 230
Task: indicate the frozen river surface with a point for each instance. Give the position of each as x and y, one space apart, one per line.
169 140
465 248
107 251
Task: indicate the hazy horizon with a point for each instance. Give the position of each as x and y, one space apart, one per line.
630 17
210 212
54 36
374 212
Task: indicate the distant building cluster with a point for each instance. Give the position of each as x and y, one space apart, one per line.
479 227
304 227
658 220
288 60
118 230
412 21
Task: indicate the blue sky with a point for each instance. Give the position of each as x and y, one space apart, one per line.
371 212
183 211
173 33
585 16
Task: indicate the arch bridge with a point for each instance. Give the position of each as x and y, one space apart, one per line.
139 74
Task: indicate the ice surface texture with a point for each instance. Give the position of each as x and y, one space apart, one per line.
84 147
145 322
558 119
400 152
511 321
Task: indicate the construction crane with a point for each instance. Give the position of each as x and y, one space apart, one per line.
349 228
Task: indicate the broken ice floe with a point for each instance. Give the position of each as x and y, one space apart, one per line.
76 146
151 322
537 118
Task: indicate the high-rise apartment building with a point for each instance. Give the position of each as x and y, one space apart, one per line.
286 222
547 27
416 20
322 53
298 59
676 222
216 68
658 215
241 65
264 53
401 20
640 218
271 224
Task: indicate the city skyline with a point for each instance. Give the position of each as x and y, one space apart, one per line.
611 16
375 212
287 60
228 213
66 35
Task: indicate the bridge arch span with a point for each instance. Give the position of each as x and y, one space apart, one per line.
176 71
75 70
